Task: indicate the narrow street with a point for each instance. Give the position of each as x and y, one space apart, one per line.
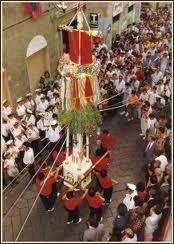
126 168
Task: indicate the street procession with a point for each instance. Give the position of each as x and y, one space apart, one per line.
86 124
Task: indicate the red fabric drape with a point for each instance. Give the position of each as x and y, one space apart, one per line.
33 9
75 93
85 51
88 89
27 8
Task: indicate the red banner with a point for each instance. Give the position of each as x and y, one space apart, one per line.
33 9
85 47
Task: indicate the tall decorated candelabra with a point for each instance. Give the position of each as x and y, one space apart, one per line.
79 95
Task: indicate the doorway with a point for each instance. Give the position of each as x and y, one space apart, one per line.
37 60
130 15
115 25
36 66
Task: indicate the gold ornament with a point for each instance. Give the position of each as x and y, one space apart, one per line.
79 26
89 32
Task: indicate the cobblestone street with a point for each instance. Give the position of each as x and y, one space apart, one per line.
42 226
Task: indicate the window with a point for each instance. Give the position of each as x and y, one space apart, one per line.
130 8
116 18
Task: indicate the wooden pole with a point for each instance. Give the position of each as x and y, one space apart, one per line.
87 146
67 143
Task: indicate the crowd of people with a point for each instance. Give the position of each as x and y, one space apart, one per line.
29 127
135 80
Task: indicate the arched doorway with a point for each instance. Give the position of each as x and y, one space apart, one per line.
37 60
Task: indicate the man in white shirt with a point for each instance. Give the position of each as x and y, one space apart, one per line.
19 140
28 159
158 75
15 153
41 125
50 92
55 99
37 96
33 137
17 128
152 95
164 162
129 198
53 133
29 103
120 84
6 109
30 118
42 105
120 87
13 150
21 109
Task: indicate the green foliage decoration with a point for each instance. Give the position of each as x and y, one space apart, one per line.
86 120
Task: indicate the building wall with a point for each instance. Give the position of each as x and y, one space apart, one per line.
107 10
18 31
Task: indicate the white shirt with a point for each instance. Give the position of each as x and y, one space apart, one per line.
15 131
152 97
20 110
54 101
37 99
48 116
42 106
50 94
152 222
18 143
31 120
53 135
55 110
4 129
120 85
136 84
11 122
164 162
157 76
151 123
33 134
128 239
40 125
6 111
9 162
28 156
12 150
29 104
129 200
144 97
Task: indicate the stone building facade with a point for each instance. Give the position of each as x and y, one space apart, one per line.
113 17
30 46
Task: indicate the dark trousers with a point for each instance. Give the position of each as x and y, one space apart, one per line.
73 215
96 212
19 160
36 147
107 194
6 138
31 170
48 201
